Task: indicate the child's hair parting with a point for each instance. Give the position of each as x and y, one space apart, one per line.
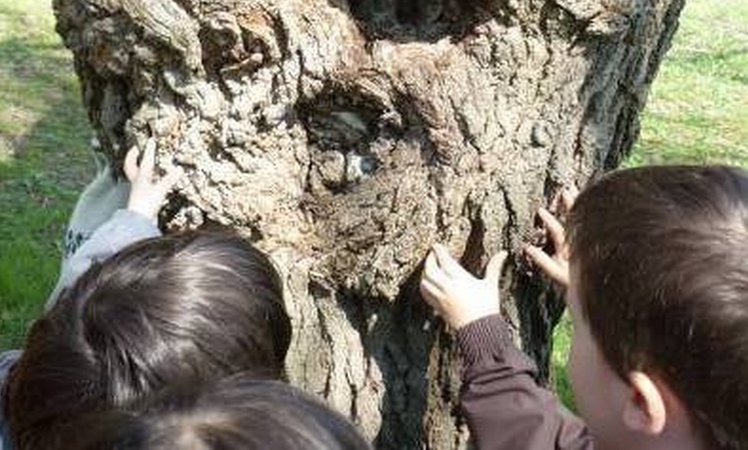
177 309
236 413
661 255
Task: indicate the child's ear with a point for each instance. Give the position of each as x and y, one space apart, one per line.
645 410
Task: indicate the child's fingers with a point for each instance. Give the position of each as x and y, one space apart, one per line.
552 268
555 202
568 196
446 262
554 228
131 164
149 158
433 273
432 294
493 269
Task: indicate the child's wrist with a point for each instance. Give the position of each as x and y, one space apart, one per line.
482 338
469 317
143 214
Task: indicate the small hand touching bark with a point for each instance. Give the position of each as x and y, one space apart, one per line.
555 265
455 294
147 193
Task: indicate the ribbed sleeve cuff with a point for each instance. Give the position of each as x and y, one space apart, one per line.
485 338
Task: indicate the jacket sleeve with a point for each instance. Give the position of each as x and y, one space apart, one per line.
124 228
504 406
96 204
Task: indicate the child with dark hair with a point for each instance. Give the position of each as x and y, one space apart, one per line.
183 308
655 266
109 215
236 413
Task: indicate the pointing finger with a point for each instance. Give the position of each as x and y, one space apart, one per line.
493 269
433 273
431 293
568 196
131 164
149 158
448 264
554 228
552 268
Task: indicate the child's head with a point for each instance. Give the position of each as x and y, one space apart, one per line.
236 413
181 308
659 298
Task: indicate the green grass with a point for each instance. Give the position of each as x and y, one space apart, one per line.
559 357
697 113
698 105
43 159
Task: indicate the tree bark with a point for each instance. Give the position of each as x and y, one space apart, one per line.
346 137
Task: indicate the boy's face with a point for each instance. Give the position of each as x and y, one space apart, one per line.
599 392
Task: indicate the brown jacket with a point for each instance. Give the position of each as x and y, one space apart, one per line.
505 407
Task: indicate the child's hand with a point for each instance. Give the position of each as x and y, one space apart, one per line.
146 194
455 294
555 266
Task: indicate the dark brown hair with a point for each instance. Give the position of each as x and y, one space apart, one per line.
662 258
182 308
237 413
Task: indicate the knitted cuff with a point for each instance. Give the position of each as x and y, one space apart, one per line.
485 338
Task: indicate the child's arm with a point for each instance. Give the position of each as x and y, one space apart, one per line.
126 226
504 406
104 195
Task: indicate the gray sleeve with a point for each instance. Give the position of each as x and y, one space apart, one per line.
124 228
96 204
7 359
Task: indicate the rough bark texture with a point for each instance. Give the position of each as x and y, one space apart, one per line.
346 137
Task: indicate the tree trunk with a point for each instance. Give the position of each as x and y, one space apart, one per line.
346 137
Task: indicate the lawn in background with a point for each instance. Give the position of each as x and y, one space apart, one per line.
697 111
43 159
698 106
